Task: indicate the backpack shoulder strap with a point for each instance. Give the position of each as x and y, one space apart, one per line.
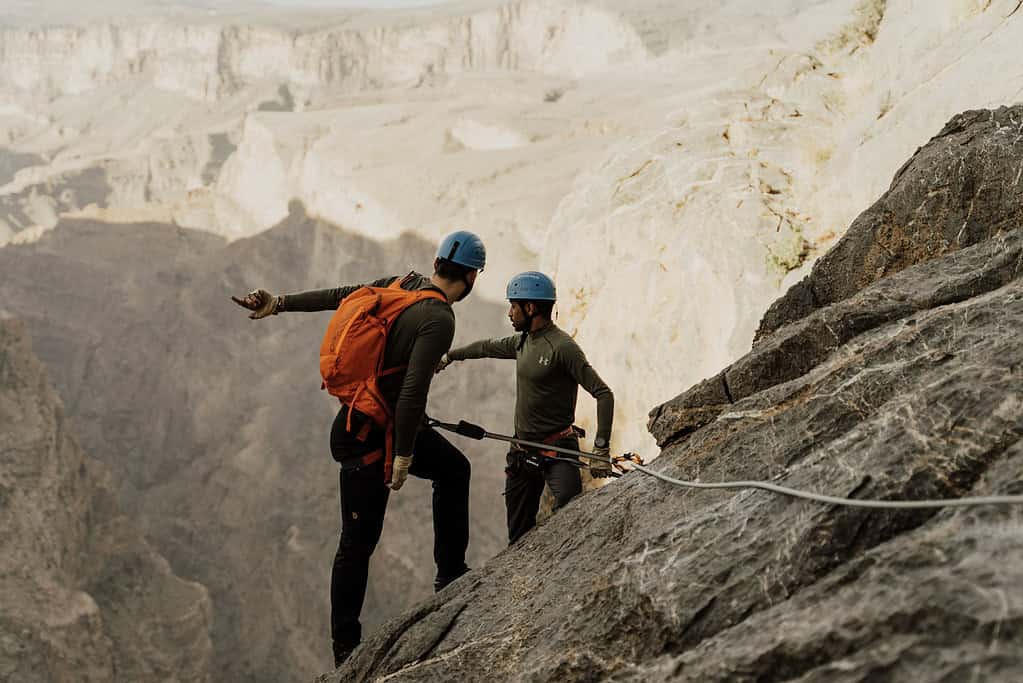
399 281
414 295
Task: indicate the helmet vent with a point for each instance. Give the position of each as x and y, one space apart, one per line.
454 250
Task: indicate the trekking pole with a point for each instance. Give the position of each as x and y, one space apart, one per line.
479 433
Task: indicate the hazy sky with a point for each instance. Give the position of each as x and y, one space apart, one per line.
357 3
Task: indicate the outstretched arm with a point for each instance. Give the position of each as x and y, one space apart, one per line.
486 348
262 303
325 299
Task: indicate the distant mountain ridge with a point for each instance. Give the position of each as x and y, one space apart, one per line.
213 60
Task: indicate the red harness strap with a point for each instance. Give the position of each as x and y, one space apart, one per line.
554 438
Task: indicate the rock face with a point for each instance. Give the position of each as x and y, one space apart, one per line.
908 386
214 426
83 597
960 189
978 156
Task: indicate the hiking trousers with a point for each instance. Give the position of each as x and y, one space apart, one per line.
524 484
363 504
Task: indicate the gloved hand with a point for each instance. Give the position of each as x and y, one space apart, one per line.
600 467
399 471
261 302
445 361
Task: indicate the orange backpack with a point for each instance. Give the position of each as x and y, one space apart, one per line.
352 356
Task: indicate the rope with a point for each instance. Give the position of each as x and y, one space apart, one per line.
835 500
476 432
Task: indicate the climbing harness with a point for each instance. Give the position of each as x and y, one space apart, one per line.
636 463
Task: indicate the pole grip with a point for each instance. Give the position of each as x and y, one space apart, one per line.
470 430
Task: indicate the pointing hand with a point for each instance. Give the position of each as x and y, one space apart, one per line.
261 302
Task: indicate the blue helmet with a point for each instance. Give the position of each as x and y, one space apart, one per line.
531 286
464 248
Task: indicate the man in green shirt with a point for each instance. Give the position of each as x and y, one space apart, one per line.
550 368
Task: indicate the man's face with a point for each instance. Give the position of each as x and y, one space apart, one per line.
518 316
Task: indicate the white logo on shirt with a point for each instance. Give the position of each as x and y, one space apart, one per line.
544 360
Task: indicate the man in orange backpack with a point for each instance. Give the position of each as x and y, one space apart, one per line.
413 314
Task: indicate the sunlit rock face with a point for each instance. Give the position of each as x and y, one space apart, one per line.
84 597
907 388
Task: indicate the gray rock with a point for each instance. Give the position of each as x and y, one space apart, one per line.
800 346
64 192
961 188
11 162
83 597
903 385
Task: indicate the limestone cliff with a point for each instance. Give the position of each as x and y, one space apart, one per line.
214 59
907 386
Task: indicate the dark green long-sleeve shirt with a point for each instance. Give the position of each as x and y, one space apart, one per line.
550 368
421 334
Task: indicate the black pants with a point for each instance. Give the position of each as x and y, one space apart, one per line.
363 504
523 486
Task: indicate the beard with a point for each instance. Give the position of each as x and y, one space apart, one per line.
468 288
520 326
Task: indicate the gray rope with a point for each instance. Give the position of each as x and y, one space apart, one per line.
475 432
835 500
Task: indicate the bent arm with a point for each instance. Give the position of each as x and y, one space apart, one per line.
432 340
486 348
584 374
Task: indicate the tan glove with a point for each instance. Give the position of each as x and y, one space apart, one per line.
261 302
445 361
399 471
600 466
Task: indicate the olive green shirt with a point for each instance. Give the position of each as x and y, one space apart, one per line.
550 368
420 335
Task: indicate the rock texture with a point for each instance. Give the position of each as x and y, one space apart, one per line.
83 597
960 189
214 425
909 386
